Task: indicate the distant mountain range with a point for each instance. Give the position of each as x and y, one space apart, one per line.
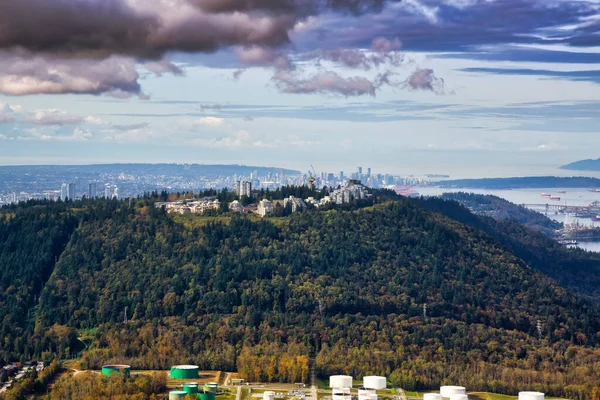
152 169
583 165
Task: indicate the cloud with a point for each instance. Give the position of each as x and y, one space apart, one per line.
150 29
544 147
7 112
263 57
54 117
327 82
130 127
163 66
210 107
382 51
580 75
212 122
238 139
425 79
460 25
26 74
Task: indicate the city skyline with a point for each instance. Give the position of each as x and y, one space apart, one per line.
420 83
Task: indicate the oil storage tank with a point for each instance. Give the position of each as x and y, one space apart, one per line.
459 397
432 396
177 395
269 395
374 382
340 381
205 395
447 391
184 372
212 387
109 370
190 388
531 396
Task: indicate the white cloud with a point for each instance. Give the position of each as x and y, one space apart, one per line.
544 147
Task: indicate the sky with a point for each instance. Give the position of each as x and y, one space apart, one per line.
467 87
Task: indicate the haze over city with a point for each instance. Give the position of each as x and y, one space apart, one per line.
404 86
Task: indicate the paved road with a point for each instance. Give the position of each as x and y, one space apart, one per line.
313 390
238 395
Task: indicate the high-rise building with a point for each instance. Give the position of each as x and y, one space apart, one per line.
107 191
359 172
67 191
341 175
92 189
243 188
116 193
63 192
369 171
71 191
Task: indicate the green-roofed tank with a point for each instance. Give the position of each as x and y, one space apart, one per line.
204 395
184 372
109 370
190 388
212 387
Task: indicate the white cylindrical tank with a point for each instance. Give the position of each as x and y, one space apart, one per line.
432 396
269 396
375 382
448 391
367 394
459 397
340 381
341 394
531 396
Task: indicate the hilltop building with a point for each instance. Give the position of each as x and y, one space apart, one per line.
243 188
236 206
354 190
297 204
264 207
190 207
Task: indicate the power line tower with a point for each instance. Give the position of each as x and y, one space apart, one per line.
539 328
125 319
424 310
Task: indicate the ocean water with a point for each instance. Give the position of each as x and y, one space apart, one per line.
534 200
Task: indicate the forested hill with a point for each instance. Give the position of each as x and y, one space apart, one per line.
347 286
501 209
583 165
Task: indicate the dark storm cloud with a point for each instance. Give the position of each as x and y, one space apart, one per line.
149 29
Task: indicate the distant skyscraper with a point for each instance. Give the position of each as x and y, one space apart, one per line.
64 191
116 193
107 191
369 171
71 191
359 172
92 188
341 175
